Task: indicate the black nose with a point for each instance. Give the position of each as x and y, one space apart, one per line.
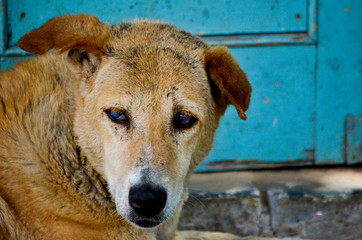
147 199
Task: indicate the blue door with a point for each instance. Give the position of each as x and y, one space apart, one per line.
303 59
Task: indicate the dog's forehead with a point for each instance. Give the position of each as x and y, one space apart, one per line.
153 67
152 33
164 79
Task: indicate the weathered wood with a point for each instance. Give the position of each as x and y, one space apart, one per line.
3 26
339 76
208 17
280 125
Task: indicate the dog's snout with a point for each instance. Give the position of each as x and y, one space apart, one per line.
147 200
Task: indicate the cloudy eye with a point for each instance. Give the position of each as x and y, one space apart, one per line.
184 120
117 117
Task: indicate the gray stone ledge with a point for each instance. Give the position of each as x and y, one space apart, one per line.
308 204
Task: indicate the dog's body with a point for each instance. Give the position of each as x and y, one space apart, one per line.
98 142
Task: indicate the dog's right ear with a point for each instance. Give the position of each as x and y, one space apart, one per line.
229 84
84 35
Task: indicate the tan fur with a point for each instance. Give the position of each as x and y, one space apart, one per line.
65 166
230 79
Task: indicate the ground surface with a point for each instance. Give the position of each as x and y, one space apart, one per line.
307 203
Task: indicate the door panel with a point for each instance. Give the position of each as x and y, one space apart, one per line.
339 75
280 124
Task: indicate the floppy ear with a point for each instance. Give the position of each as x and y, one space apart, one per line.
228 82
62 33
84 35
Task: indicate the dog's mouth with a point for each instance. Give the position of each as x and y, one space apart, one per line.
146 222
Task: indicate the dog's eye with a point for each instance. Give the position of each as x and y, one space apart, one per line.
118 117
184 120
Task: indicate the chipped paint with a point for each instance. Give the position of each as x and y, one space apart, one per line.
22 15
275 121
353 139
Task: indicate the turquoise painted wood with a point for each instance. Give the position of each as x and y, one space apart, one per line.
353 139
3 28
303 58
280 125
197 16
339 77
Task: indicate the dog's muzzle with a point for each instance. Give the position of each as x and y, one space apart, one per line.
147 200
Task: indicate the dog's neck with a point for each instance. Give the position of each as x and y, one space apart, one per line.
81 179
67 162
86 180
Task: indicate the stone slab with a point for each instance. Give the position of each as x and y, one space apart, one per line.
306 203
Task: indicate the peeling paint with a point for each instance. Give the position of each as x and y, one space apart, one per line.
275 121
22 15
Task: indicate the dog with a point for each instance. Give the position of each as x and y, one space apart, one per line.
100 133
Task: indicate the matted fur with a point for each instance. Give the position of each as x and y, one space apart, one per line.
65 168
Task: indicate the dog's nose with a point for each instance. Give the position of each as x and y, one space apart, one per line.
147 199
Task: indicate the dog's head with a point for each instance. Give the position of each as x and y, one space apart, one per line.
149 98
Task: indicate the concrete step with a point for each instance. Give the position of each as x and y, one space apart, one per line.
305 203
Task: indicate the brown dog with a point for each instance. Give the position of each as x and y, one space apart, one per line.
98 140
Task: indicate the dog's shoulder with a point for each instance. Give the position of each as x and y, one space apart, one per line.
34 108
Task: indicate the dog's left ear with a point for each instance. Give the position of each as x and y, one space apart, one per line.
229 83
83 34
81 31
